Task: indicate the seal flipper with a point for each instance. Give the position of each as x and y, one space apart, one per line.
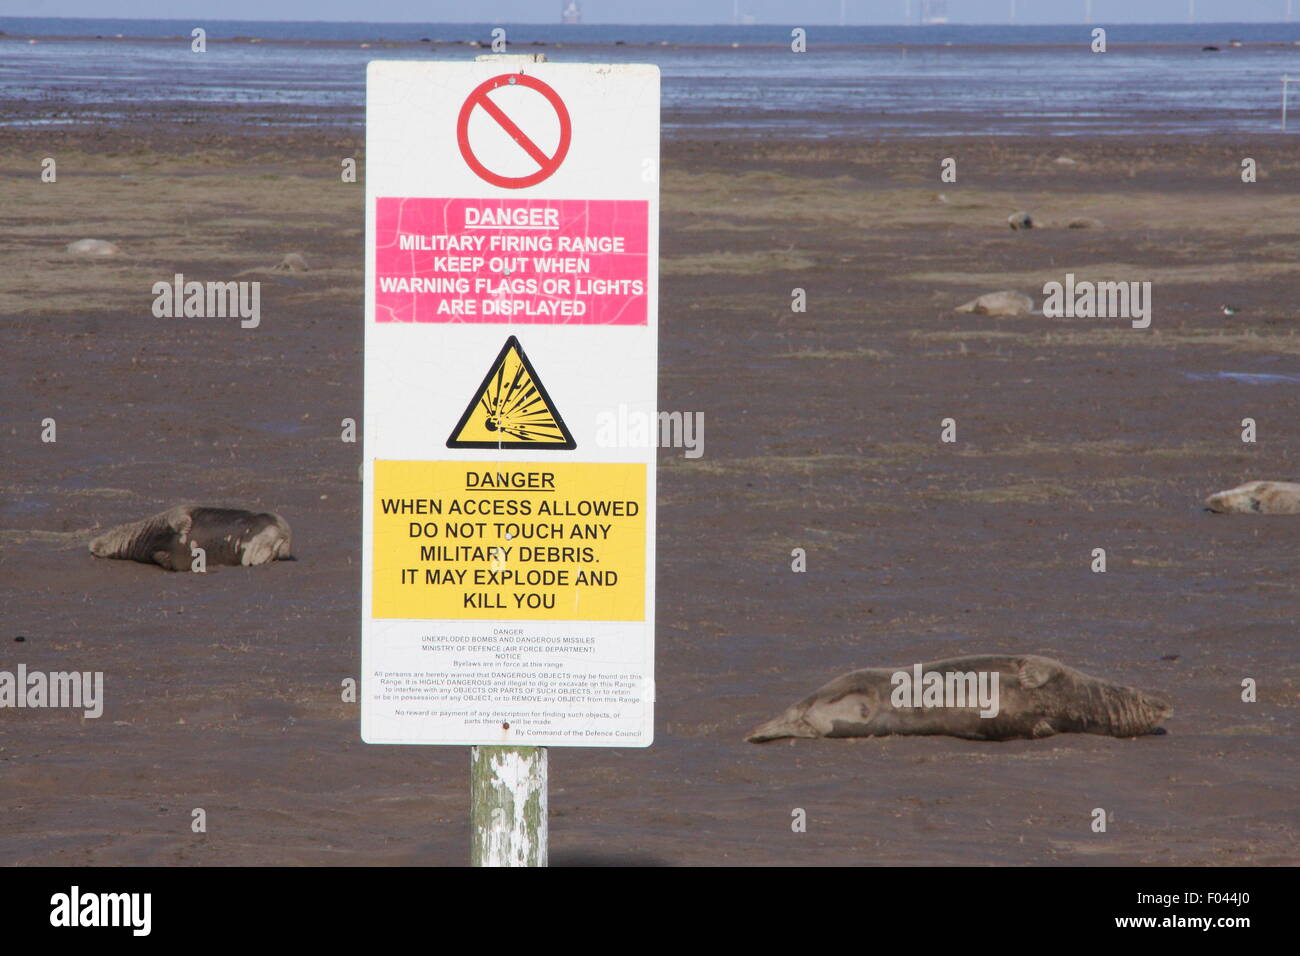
1044 728
1037 671
182 524
166 561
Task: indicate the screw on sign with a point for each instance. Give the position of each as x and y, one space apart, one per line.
479 98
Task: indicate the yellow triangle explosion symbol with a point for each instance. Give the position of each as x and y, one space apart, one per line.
511 409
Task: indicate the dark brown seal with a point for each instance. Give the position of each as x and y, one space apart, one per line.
226 535
1037 697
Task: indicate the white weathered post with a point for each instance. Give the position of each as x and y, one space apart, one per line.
507 801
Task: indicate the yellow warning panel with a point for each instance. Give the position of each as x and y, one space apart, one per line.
511 409
526 541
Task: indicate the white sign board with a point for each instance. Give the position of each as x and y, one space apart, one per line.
512 248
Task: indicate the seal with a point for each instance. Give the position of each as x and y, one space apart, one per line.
1035 697
1006 302
227 536
1257 497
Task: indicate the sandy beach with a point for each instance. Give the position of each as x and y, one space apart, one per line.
822 433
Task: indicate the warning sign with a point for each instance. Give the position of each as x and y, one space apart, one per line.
560 261
508 546
524 541
511 409
481 99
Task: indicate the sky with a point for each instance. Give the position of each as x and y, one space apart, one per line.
796 12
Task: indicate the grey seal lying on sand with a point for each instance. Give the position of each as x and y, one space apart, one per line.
1257 497
227 536
1033 697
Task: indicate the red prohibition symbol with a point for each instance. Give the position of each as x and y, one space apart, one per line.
546 164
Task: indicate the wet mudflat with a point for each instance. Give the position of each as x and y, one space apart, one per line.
822 432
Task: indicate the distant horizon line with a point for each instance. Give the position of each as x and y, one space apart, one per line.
611 23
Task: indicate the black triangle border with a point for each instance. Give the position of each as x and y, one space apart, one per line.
567 445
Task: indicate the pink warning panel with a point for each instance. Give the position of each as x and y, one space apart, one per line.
539 261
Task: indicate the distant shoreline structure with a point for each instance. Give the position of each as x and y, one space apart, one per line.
936 27
917 37
379 44
934 13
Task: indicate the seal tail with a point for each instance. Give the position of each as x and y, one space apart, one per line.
128 541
